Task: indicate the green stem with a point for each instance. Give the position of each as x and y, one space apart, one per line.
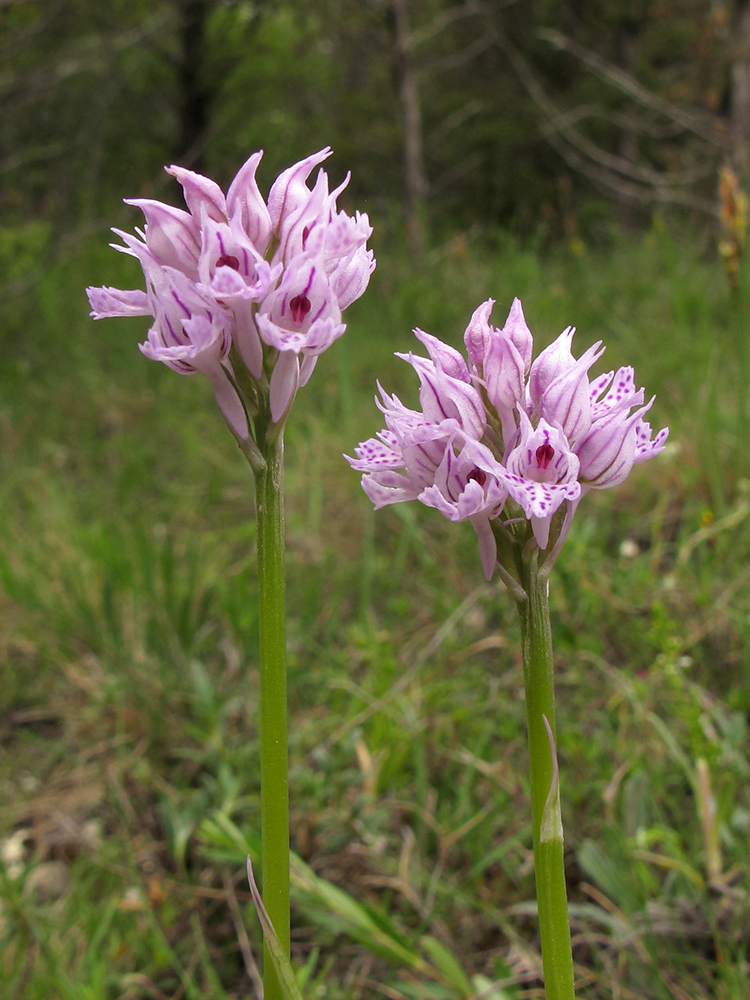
274 783
549 868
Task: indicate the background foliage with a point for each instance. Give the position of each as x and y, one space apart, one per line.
128 647
517 122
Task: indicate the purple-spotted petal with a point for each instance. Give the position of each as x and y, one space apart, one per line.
541 500
645 447
622 393
374 455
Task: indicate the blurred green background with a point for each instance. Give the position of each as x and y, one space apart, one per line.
550 118
567 153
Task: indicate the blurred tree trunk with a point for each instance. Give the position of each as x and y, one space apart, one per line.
415 182
739 111
196 94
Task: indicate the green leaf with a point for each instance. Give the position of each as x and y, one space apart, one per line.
608 873
305 973
373 928
224 839
281 963
446 962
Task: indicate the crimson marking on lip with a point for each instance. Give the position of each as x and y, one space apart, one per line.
300 306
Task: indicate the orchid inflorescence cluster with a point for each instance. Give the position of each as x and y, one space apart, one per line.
502 442
247 292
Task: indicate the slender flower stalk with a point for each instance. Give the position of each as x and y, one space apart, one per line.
546 819
250 294
274 776
512 446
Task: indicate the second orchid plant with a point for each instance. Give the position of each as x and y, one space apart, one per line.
250 293
512 446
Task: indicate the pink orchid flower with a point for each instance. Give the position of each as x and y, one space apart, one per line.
234 282
498 437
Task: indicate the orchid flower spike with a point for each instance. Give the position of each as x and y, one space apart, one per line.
505 443
248 293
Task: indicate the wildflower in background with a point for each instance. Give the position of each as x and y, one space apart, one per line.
250 294
500 440
512 446
246 292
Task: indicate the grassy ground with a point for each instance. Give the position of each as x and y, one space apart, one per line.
128 702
